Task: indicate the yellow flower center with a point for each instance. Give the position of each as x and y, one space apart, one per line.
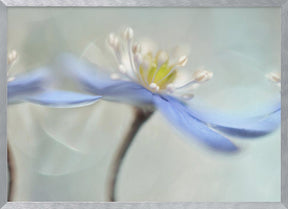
156 70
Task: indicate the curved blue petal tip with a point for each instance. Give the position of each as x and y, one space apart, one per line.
178 114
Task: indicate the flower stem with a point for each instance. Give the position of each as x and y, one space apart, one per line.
11 172
141 116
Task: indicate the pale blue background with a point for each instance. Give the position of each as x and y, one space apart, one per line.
63 155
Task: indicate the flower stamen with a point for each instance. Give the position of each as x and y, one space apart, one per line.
152 71
182 61
154 87
202 75
128 34
136 48
199 76
161 59
124 71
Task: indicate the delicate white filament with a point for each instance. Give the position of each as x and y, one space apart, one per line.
123 53
181 62
125 72
190 83
146 64
113 41
202 75
138 59
199 77
136 48
162 58
128 35
187 96
131 60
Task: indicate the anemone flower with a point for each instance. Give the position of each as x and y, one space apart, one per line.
148 80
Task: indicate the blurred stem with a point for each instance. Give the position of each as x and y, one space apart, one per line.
11 172
140 117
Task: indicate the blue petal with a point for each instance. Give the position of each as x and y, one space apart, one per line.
179 115
95 81
254 127
27 84
128 92
243 127
91 77
55 98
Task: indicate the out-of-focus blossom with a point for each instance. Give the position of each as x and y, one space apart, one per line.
149 79
35 87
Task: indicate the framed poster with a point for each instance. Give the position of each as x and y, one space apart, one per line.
146 104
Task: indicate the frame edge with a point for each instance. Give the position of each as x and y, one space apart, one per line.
284 104
3 112
143 205
3 98
143 3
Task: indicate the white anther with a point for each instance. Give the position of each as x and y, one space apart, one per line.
182 61
202 75
122 69
154 86
113 41
128 33
12 56
275 77
187 96
136 48
114 76
162 58
170 87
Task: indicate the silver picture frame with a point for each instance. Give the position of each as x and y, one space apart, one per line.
6 4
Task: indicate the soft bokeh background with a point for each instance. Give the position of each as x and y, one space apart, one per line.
64 154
